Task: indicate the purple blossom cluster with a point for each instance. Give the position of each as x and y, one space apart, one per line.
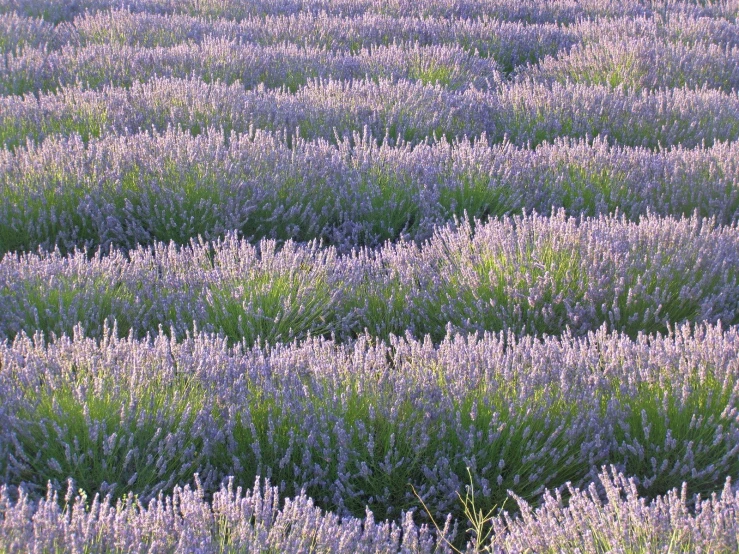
298 244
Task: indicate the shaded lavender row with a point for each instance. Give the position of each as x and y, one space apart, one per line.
356 426
252 521
535 11
138 189
228 61
509 43
629 62
528 274
397 110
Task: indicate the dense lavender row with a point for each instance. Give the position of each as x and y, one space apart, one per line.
397 110
511 43
535 11
528 274
634 64
228 61
641 63
251 521
508 43
357 426
138 189
486 35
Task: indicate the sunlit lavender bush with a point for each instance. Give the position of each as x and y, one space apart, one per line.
424 275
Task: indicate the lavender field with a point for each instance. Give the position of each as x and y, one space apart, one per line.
369 276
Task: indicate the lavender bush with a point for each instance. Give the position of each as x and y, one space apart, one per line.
227 61
524 113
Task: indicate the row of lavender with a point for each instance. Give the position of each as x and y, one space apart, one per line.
636 64
394 109
252 521
228 61
534 11
624 53
531 274
510 42
361 426
137 189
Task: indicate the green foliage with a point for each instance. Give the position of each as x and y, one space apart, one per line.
477 198
668 432
92 429
87 121
522 288
394 204
432 74
589 191
267 307
55 306
379 303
